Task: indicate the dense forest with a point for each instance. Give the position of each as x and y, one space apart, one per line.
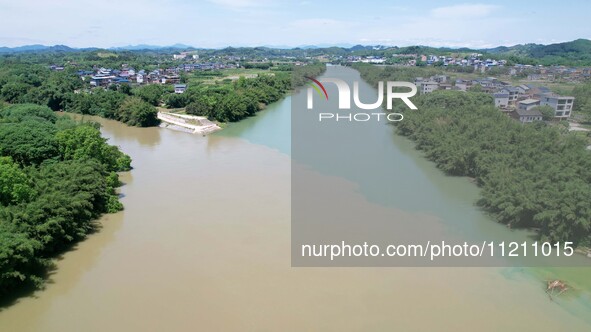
56 177
534 175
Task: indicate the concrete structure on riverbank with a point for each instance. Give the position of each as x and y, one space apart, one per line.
190 123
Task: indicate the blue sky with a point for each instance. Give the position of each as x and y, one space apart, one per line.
220 23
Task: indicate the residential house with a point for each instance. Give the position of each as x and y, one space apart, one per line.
528 104
526 116
170 79
101 80
462 85
537 92
562 105
180 88
439 78
522 89
120 80
428 86
513 93
501 100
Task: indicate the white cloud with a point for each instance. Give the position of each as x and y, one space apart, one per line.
463 11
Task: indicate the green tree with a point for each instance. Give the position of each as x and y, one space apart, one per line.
547 112
151 93
85 142
15 185
14 92
28 142
136 112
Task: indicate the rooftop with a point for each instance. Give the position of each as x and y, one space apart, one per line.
501 95
557 96
529 101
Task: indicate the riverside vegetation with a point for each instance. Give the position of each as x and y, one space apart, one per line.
532 176
56 177
238 99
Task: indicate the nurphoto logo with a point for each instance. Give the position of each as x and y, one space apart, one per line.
344 99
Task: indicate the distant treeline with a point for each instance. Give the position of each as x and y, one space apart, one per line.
56 177
116 103
63 90
29 82
532 175
244 97
231 101
573 53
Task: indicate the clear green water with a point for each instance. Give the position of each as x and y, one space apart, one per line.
423 188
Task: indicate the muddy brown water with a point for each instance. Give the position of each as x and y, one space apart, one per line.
204 245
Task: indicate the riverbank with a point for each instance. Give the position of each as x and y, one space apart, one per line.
221 260
189 123
211 267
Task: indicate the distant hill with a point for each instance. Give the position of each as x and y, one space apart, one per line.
573 52
37 48
576 52
141 47
64 48
579 46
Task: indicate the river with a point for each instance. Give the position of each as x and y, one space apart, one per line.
204 245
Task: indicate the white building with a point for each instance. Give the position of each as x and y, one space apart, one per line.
501 100
513 93
562 105
180 88
528 104
428 86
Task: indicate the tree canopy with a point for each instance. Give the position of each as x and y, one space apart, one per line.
531 175
56 177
